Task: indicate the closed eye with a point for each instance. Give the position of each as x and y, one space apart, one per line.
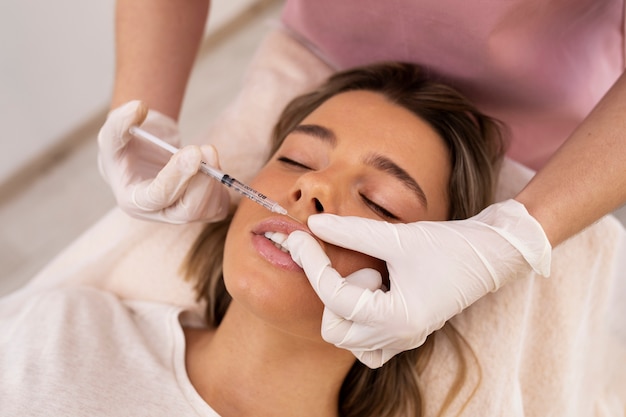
291 162
381 211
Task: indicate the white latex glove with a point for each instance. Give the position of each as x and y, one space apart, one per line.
150 183
436 269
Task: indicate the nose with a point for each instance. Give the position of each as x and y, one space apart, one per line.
313 193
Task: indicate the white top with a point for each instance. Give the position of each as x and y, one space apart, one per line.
83 352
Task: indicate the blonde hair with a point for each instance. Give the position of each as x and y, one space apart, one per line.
476 149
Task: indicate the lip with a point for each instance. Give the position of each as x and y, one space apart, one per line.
267 249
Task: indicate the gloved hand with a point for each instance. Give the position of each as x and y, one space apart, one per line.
436 269
150 183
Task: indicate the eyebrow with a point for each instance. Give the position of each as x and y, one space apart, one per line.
317 131
377 161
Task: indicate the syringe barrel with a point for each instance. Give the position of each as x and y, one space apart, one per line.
249 192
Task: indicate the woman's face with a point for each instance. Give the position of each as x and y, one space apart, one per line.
358 154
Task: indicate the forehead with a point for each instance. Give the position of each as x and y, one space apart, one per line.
366 122
367 115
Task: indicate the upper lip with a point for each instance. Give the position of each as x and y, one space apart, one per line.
279 224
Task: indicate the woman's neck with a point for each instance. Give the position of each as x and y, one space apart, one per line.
248 368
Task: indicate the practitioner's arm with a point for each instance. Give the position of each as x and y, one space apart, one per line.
157 42
156 45
586 178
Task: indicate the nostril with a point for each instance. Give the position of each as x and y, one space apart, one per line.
298 195
318 206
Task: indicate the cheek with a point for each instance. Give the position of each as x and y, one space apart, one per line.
269 181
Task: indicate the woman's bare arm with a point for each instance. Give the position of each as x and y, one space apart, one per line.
156 45
586 178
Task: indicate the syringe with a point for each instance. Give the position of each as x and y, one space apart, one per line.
225 179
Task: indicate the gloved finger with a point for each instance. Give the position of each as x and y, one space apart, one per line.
337 294
169 183
370 358
375 358
334 327
114 134
302 244
368 336
366 278
358 234
356 337
205 198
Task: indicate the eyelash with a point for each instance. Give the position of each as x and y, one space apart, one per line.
288 161
378 209
373 206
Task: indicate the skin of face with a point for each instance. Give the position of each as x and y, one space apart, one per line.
313 172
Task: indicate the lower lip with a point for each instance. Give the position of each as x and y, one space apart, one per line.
273 255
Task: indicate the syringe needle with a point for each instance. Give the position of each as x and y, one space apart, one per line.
293 218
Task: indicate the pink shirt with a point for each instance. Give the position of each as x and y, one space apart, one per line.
537 65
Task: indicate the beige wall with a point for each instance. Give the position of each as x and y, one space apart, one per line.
56 67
